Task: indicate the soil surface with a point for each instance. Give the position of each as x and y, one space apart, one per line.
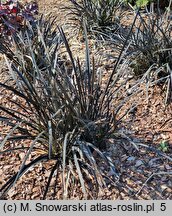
143 173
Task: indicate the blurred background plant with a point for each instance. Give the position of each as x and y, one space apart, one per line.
157 3
14 14
138 3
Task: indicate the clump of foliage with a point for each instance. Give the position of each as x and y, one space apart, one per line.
152 48
99 15
14 14
69 112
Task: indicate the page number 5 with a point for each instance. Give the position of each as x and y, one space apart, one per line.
163 206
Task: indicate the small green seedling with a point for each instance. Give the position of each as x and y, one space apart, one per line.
164 146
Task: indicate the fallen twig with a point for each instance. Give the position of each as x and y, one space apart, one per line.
153 174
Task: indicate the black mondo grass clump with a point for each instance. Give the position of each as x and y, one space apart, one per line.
69 113
102 17
151 48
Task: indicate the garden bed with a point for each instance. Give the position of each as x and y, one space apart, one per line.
143 173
